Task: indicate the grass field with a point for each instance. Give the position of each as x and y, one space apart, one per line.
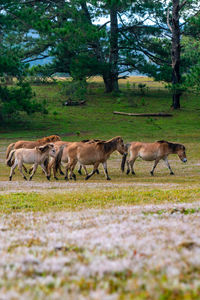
136 237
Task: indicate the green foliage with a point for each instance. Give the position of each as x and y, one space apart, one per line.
142 87
76 90
18 99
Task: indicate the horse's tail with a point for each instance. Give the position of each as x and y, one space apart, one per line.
9 148
124 157
59 157
9 159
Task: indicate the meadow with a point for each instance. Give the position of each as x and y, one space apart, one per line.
136 237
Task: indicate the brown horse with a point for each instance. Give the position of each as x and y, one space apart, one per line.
32 144
152 151
93 154
62 156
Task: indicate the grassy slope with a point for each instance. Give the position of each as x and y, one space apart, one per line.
97 120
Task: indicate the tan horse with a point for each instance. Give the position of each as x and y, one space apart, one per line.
93 154
152 152
36 156
62 157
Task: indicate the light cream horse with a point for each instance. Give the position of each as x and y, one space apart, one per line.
152 152
30 145
93 154
36 156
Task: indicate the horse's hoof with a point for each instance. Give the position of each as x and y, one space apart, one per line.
151 173
61 173
30 178
74 177
66 178
87 177
172 173
79 171
48 177
127 172
10 178
25 178
108 178
133 173
56 178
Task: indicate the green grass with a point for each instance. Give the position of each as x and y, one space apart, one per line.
96 119
76 200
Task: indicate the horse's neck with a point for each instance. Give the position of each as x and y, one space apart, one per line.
113 147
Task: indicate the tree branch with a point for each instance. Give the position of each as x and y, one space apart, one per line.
170 28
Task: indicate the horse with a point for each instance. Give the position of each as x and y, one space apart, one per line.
31 145
61 156
36 156
92 154
152 152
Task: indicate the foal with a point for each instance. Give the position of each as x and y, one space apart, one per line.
36 156
93 154
152 151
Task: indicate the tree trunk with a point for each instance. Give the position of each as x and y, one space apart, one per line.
176 50
112 79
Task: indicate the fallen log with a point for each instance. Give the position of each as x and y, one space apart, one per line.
143 114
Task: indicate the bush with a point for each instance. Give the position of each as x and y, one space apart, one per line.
18 99
76 90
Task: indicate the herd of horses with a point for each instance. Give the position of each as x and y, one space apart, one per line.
50 152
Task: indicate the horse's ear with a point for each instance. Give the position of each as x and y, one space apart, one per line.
43 149
51 145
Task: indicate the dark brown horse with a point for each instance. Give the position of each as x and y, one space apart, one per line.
92 154
152 152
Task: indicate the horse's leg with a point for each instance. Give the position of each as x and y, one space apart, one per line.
12 169
20 164
45 171
34 168
106 170
68 166
85 169
168 165
72 175
53 163
131 163
80 168
25 169
155 164
93 172
60 170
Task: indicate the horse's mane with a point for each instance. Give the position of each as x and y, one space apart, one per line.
172 146
51 138
91 141
108 145
162 141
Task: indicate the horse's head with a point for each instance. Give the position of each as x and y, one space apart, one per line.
54 138
120 145
48 148
180 150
